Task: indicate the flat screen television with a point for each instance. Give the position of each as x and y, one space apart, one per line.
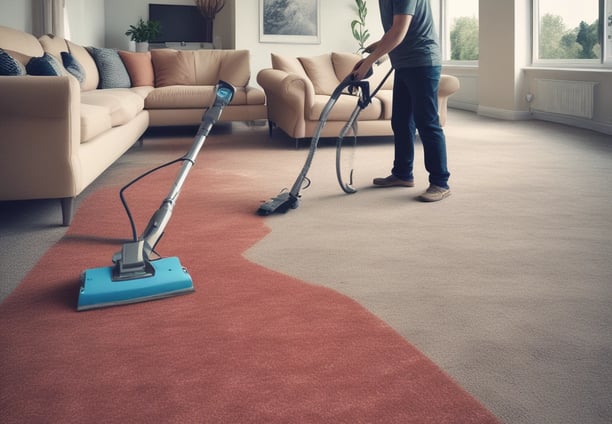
184 24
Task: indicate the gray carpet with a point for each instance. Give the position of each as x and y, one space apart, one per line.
506 284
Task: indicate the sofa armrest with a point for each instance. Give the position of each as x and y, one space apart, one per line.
40 137
449 84
289 99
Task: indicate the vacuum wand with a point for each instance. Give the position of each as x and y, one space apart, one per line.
286 200
134 276
131 261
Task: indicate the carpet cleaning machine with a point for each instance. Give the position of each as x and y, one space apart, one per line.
286 200
135 277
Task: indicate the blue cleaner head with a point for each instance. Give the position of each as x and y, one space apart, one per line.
135 277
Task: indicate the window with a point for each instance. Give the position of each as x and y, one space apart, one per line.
458 30
569 32
608 32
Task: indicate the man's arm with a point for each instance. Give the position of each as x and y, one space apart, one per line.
388 42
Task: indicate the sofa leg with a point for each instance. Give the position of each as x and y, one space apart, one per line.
271 126
67 210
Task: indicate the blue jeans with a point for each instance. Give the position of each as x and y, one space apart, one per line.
415 107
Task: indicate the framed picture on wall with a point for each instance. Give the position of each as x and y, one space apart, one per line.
290 21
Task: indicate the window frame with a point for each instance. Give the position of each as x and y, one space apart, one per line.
441 17
605 33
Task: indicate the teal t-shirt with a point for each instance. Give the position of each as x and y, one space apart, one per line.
420 47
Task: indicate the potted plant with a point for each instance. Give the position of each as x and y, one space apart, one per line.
358 26
143 32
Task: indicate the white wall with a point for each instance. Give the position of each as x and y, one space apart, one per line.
120 14
86 19
87 22
16 14
238 26
336 17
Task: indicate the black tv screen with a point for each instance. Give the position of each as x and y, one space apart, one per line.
180 24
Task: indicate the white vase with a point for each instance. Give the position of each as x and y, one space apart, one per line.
142 46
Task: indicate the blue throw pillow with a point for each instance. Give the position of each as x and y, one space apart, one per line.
113 73
10 66
45 65
73 66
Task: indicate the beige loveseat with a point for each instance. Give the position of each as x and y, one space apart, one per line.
297 89
58 134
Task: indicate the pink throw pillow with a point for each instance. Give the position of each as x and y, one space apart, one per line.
139 67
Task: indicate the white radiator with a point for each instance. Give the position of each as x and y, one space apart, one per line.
573 98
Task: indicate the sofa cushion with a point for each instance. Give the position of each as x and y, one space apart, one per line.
143 91
53 45
173 67
95 120
199 97
20 41
81 55
139 67
46 65
344 63
73 66
254 96
9 65
181 97
320 71
386 99
228 65
288 64
235 67
123 105
110 67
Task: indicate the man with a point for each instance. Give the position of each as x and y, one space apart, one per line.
411 42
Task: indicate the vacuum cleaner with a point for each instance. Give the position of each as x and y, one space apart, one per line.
135 276
286 200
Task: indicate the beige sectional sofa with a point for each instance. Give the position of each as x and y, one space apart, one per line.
297 89
58 134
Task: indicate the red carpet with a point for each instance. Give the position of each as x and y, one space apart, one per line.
249 346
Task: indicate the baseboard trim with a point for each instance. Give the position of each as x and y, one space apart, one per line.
457 104
588 124
513 115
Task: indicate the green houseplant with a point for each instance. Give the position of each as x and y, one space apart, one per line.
143 32
358 26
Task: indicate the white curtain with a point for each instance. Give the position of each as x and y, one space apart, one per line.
48 17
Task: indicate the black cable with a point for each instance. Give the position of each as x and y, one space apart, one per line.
124 202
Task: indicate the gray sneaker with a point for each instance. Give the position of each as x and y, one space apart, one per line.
434 194
392 181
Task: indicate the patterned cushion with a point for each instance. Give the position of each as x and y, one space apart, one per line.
10 66
73 66
111 68
45 65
